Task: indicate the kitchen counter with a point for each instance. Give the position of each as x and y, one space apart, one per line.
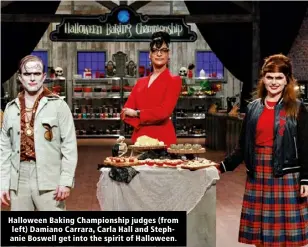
223 131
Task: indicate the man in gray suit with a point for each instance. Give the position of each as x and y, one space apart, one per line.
38 145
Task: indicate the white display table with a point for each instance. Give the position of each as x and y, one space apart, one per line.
167 189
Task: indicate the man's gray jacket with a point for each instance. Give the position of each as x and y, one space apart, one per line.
56 160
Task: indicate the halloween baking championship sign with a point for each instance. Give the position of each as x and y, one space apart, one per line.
122 24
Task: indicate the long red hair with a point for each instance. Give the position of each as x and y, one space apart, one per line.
279 63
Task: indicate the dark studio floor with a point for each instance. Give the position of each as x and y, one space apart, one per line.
230 188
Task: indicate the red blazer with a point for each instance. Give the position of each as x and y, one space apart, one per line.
156 104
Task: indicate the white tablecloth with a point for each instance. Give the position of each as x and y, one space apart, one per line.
167 189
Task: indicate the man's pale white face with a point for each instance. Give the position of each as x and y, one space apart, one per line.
274 83
32 76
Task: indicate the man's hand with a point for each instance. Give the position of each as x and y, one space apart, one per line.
304 190
129 112
62 192
5 198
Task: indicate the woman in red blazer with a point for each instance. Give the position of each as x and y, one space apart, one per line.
153 98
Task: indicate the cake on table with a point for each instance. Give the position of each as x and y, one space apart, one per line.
146 141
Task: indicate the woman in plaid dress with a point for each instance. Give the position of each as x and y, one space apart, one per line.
274 145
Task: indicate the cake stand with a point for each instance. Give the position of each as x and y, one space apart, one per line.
144 148
186 151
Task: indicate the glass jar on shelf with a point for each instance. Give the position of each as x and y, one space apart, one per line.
87 91
110 114
97 92
115 113
78 92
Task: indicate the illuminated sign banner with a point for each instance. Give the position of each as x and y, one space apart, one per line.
122 24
